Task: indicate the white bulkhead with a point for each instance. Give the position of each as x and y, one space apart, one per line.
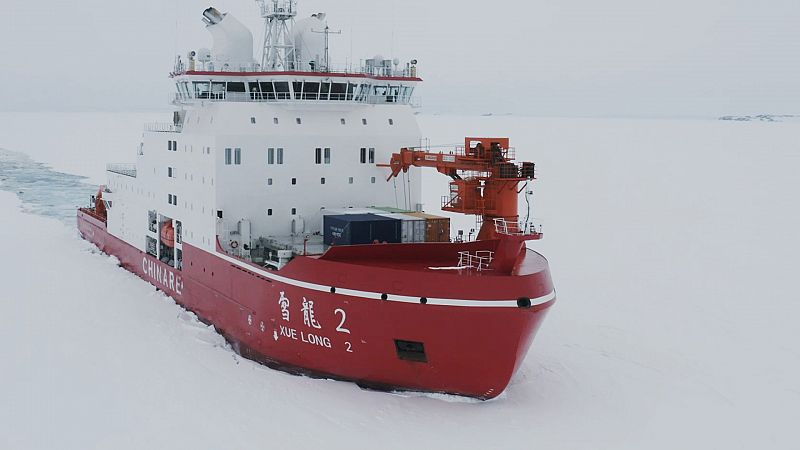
264 152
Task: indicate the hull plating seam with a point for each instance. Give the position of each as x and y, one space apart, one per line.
390 297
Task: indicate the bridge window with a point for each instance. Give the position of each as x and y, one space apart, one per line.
311 91
324 91
236 86
267 90
282 90
351 89
338 91
201 89
218 90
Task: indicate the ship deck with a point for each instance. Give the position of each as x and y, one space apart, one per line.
441 258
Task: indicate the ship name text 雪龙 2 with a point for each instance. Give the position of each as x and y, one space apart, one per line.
309 321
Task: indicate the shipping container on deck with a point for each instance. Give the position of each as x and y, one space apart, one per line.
437 227
412 228
353 229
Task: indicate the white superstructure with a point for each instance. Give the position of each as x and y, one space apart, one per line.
254 155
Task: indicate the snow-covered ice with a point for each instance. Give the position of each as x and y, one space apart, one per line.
673 247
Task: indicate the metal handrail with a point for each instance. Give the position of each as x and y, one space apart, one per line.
259 97
480 260
163 127
516 228
129 170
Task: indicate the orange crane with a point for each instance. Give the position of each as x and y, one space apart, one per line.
485 182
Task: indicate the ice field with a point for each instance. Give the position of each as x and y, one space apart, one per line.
673 248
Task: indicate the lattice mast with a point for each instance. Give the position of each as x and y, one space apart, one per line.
278 52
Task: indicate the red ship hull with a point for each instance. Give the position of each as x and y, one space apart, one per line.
368 314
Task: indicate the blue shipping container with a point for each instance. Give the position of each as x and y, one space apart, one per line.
352 229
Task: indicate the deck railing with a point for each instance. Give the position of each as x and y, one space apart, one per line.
163 127
129 170
478 260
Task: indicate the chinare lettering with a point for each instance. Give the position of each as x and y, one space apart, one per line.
162 276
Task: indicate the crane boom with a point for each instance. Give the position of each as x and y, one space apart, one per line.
485 181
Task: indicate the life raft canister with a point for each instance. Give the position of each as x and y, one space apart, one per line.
168 235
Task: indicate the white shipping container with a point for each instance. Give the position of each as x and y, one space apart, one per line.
413 229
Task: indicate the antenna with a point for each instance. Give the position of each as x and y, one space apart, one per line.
278 48
326 67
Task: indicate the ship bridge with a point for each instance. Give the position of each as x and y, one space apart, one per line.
295 65
288 86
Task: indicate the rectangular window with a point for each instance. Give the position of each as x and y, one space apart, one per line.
363 155
372 180
253 120
364 121
171 172
280 155
269 181
338 91
227 156
237 156
269 212
282 90
322 180
327 155
169 146
298 120
275 120
294 211
372 155
270 156
350 180
391 121
318 155
169 198
344 122
294 180
324 90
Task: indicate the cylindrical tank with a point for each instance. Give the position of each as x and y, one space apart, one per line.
309 42
233 42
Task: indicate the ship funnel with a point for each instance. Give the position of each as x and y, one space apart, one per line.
233 42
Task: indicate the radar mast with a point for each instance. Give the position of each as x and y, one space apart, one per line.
278 49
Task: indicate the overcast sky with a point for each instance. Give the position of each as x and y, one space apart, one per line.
565 57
